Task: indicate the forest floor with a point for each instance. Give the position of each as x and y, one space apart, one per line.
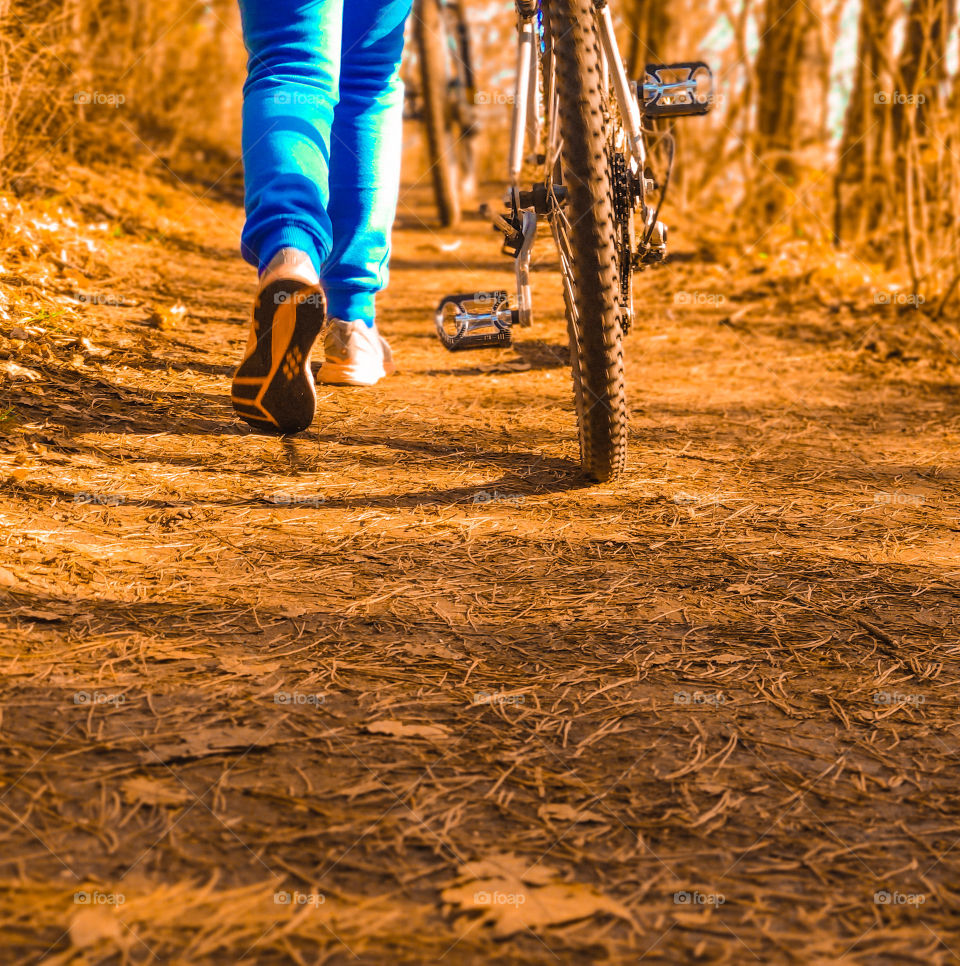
405 689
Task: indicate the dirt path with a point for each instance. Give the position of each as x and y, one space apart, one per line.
331 699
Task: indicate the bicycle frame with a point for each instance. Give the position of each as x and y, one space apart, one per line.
525 119
525 124
655 96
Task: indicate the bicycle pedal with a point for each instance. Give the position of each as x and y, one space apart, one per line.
676 90
475 320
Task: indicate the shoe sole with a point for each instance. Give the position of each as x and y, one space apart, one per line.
273 389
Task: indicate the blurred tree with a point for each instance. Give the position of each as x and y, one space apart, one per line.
921 69
648 22
792 81
921 130
860 186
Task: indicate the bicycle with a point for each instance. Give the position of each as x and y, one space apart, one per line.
443 98
586 124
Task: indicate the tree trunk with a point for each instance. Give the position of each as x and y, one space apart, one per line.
859 189
921 69
649 22
793 66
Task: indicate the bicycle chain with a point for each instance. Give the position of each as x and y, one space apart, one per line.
622 210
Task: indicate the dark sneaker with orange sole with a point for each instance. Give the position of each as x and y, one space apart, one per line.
273 389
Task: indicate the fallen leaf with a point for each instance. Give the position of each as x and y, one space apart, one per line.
293 610
91 350
507 865
400 730
566 813
143 790
236 665
167 318
448 608
207 742
49 616
513 896
16 373
95 924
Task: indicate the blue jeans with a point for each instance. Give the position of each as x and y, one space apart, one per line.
322 116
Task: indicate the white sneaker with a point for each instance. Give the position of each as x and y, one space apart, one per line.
289 263
355 354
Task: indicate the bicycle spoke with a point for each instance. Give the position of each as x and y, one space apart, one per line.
559 227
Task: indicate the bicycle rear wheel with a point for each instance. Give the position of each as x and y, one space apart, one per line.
464 96
432 48
585 231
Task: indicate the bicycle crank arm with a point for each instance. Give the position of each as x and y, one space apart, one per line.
476 320
676 90
524 313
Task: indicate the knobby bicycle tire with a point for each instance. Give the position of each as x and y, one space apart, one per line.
594 321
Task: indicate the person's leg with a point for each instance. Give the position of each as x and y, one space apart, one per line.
365 155
288 109
289 101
